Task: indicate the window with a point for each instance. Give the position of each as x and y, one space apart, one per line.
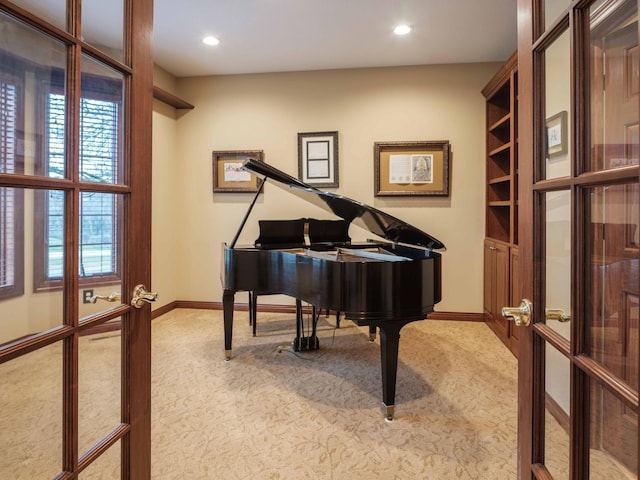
11 199
100 127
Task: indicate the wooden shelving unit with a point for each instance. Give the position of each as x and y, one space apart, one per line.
501 212
171 99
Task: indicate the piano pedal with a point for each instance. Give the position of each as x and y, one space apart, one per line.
305 344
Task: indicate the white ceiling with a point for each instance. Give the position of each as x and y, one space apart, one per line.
291 35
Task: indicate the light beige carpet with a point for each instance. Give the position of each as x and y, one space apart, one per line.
273 414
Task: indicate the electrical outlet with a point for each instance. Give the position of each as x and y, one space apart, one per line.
86 296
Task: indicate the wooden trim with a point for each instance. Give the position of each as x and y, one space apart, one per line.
171 99
528 20
557 412
136 333
162 310
501 75
457 316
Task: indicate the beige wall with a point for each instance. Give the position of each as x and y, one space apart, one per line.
165 197
265 112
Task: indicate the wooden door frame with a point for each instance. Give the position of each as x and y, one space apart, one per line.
137 387
528 386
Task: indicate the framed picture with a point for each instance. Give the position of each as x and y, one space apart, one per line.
228 174
318 158
411 168
557 135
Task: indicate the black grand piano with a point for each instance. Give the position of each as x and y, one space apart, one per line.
384 283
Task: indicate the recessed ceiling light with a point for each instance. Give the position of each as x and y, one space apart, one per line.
402 29
210 40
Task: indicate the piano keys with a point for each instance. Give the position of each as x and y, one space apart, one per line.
383 284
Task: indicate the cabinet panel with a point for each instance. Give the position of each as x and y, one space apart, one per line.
496 287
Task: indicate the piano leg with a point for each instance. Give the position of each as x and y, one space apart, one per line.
389 341
253 312
227 308
251 298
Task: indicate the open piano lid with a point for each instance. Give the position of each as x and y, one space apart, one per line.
377 222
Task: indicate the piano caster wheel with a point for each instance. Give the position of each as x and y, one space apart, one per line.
227 355
388 412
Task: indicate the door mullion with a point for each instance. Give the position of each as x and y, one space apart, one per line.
71 228
70 403
580 408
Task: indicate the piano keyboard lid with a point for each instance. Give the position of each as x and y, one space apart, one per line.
370 218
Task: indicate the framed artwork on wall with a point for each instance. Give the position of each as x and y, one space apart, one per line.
318 158
557 135
228 174
411 168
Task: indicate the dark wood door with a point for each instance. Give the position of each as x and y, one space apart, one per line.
579 247
75 157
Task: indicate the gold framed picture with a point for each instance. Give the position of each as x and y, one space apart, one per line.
228 174
411 168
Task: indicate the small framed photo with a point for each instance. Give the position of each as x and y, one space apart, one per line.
318 158
557 135
411 168
228 174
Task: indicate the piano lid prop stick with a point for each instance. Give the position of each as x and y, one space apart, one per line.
246 215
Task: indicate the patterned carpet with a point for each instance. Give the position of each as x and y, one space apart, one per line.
270 413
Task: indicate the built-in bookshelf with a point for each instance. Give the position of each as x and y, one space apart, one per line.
501 211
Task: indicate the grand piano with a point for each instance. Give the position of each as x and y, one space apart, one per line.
383 284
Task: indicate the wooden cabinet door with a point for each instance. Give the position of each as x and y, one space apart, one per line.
496 286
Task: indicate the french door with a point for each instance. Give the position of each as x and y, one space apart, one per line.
75 156
579 104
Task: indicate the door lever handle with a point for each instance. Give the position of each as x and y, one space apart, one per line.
112 297
556 314
521 314
142 296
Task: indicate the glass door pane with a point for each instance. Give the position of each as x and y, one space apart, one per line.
103 26
613 449
31 263
53 11
614 92
553 9
557 413
101 123
31 414
558 260
557 74
99 379
32 93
